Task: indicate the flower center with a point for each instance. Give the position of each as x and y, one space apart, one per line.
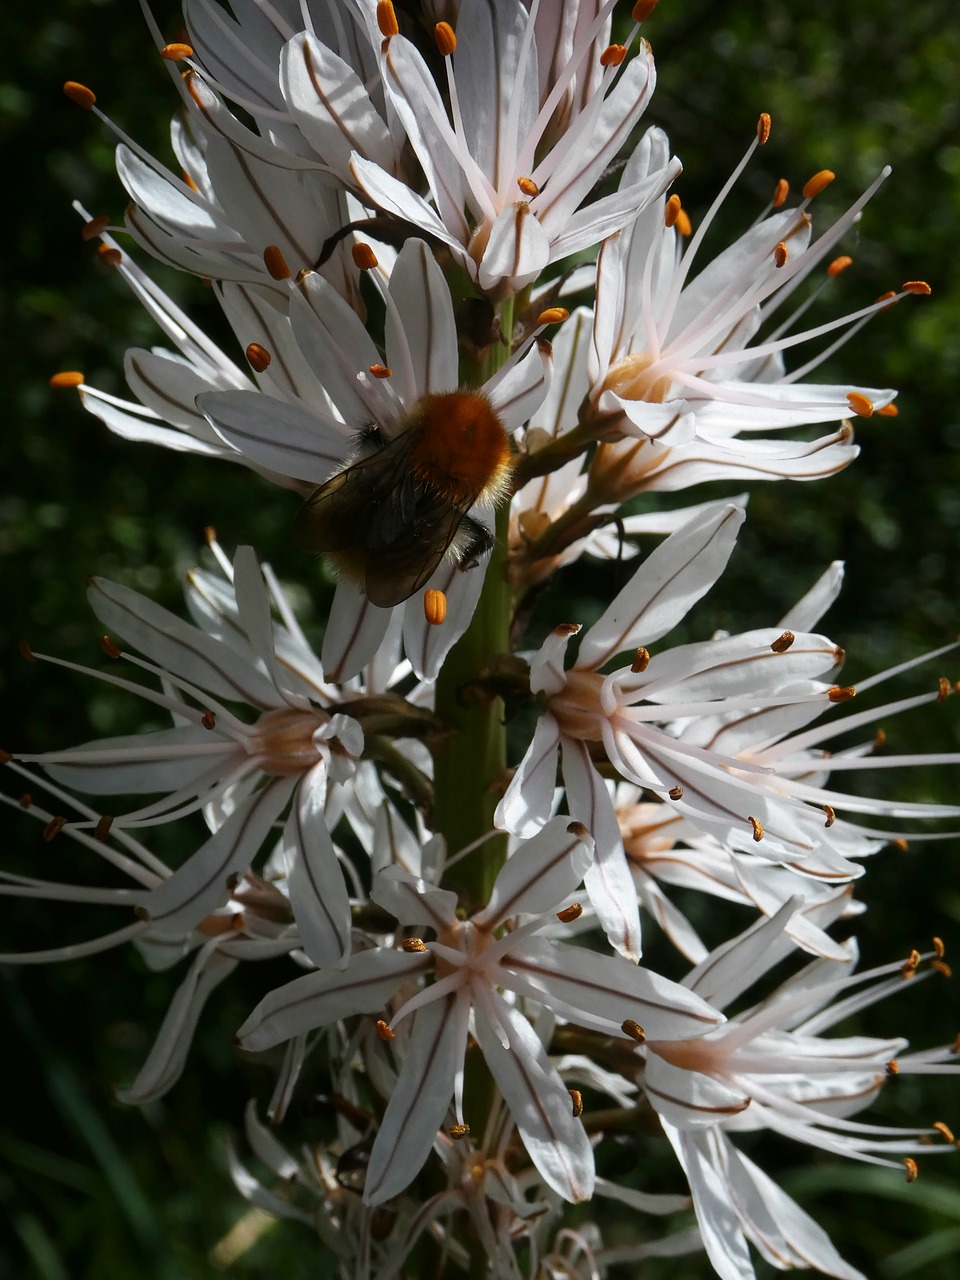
631 379
283 741
577 708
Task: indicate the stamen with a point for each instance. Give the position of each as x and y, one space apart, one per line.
831 814
364 259
80 94
839 264
576 1098
259 357
275 263
944 1130
944 688
380 371
641 660
613 55
446 38
528 187
633 1030
109 255
780 193
102 829
942 967
783 642
69 378
208 720
109 648
861 405
577 829
888 411
176 52
684 225
383 1030
553 315
53 828
938 947
763 127
911 964
911 1167
26 800
95 227
675 793
893 1067
757 828
571 913
841 694
919 287
25 651
387 19
780 254
671 210
413 945
819 182
901 844
643 9
434 607
458 1131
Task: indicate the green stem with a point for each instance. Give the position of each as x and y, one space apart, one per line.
470 766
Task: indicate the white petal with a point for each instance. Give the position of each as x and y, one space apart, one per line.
540 873
528 800
285 438
318 894
421 334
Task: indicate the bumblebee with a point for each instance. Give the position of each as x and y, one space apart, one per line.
398 505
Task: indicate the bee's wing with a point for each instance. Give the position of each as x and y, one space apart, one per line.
402 568
341 513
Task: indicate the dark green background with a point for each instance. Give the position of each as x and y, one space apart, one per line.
92 1189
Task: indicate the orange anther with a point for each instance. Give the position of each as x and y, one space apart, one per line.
95 227
860 404
839 264
109 648
841 693
757 828
676 793
387 19
109 255
364 259
571 913
888 411
919 287
445 37
80 94
780 193
763 128
671 210
553 315
275 263
102 829
641 660
434 607
383 1030
68 378
819 182
783 642
643 9
613 55
259 357
379 371
780 254
208 720
413 946
633 1030
911 1167
528 187
831 814
458 1131
684 225
53 828
176 52
576 1098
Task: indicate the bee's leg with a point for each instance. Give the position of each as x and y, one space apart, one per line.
476 541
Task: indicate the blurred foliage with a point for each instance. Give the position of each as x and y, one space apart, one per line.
92 1189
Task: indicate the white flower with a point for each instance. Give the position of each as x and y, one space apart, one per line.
505 185
772 1067
242 773
477 978
716 728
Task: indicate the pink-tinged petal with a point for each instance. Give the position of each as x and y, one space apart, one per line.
752 460
673 425
603 991
421 332
260 314
689 1098
201 883
734 966
331 106
528 800
518 390
720 1228
318 894
546 670
415 97
608 215
393 196
539 1102
167 1057
540 874
496 84
784 1234
594 141
517 250
138 764
283 437
668 583
169 385
810 608
419 1102
412 900
355 631
608 880
337 347
177 646
143 427
427 645
317 999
